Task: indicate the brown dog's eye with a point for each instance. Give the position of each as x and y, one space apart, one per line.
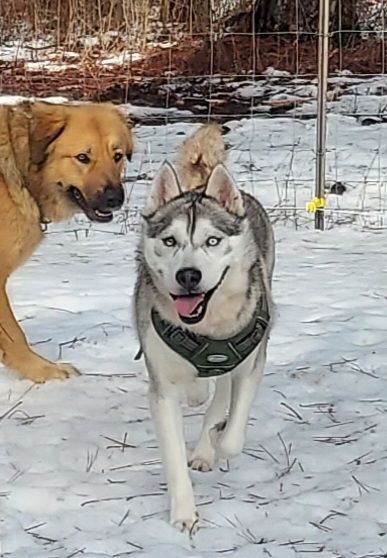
117 157
83 158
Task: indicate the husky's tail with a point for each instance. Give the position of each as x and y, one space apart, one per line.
199 154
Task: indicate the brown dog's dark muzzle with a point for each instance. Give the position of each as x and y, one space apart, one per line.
99 208
110 199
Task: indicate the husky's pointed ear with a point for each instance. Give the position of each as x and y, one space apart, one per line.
164 188
222 187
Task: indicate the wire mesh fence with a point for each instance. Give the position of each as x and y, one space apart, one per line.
250 65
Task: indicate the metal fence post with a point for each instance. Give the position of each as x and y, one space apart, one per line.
323 47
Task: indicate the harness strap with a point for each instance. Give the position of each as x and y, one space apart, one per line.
214 357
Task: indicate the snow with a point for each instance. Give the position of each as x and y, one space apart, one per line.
19 50
15 99
79 464
43 55
122 58
347 94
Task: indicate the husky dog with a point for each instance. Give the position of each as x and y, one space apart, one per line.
203 308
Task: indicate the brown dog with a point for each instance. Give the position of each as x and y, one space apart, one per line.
55 160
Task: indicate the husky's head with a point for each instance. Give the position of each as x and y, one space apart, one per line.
193 240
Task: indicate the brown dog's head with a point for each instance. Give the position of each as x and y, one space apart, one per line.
78 153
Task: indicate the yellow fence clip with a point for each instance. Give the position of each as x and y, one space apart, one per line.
315 204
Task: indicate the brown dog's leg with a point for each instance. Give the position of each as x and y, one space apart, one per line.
15 352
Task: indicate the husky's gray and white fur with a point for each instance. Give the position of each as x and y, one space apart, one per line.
205 261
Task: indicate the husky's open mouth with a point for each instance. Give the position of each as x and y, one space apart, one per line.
192 307
94 214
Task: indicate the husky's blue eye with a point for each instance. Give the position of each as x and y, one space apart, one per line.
170 241
213 241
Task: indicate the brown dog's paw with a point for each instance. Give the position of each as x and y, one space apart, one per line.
51 371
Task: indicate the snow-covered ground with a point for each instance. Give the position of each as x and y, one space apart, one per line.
80 473
39 54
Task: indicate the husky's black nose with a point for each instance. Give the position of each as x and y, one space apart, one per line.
188 278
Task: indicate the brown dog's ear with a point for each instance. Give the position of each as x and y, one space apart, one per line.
47 123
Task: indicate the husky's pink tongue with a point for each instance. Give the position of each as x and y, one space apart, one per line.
186 305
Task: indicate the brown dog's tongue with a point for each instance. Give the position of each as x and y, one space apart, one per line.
186 305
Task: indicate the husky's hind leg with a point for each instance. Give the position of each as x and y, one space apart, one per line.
203 457
244 387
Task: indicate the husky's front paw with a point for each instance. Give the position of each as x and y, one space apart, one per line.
184 515
188 525
203 456
202 464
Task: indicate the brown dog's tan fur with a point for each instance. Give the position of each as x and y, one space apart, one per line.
38 147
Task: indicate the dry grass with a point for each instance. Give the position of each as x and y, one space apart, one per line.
115 24
107 21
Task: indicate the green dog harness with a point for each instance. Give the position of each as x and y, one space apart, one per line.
214 357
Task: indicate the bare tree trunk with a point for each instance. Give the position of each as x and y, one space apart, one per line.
194 14
302 16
